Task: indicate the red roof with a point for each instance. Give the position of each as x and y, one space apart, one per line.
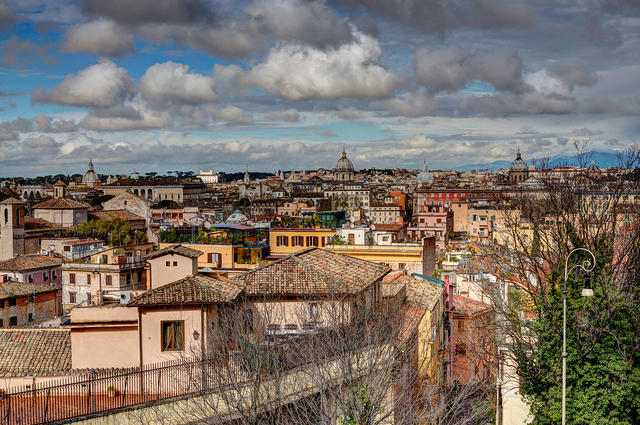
467 306
61 204
30 262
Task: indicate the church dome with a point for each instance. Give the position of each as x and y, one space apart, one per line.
344 164
90 178
518 163
425 176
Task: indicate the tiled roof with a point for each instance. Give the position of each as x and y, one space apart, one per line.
177 250
39 224
61 204
198 289
34 351
113 214
29 262
312 272
420 293
467 306
12 201
19 289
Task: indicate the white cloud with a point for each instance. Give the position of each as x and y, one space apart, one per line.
101 36
100 85
411 105
172 82
299 72
290 115
234 115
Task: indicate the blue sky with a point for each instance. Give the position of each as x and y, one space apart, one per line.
161 85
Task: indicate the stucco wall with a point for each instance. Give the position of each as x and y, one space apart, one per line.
152 334
161 274
105 347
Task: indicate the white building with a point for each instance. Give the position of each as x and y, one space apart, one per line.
208 177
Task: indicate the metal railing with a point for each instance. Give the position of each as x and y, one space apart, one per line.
99 392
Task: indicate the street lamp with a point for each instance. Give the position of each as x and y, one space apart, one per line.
587 266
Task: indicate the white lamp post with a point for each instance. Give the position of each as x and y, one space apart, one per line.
587 266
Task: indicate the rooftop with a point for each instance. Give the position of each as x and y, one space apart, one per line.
19 289
312 272
61 204
113 214
198 289
467 306
29 262
175 250
34 351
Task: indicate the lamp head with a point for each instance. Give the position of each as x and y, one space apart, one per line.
587 291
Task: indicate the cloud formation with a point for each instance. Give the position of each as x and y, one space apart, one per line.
435 16
102 37
172 82
348 71
100 85
451 69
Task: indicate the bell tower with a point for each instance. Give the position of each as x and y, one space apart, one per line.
11 228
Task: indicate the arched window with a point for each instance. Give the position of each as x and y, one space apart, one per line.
6 216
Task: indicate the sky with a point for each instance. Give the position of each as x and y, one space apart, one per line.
157 85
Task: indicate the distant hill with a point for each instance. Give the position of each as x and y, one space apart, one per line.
601 158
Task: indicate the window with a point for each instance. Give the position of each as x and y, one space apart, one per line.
314 312
175 264
139 276
1 303
30 318
45 276
312 241
461 349
67 248
88 279
13 321
12 302
282 241
30 278
297 241
1 323
172 335
72 297
53 274
31 298
168 263
109 280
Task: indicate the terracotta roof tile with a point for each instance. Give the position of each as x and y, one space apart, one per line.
38 224
34 351
421 293
198 289
467 306
113 214
312 272
61 204
176 250
20 289
29 262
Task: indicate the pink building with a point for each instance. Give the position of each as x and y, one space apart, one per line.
36 269
434 220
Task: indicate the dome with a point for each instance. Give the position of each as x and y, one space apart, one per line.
237 217
344 164
518 163
90 178
425 176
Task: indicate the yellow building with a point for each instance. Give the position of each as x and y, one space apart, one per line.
287 241
225 257
406 256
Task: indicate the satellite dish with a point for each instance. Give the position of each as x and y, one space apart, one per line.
181 223
373 227
352 219
207 225
352 225
52 248
406 267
